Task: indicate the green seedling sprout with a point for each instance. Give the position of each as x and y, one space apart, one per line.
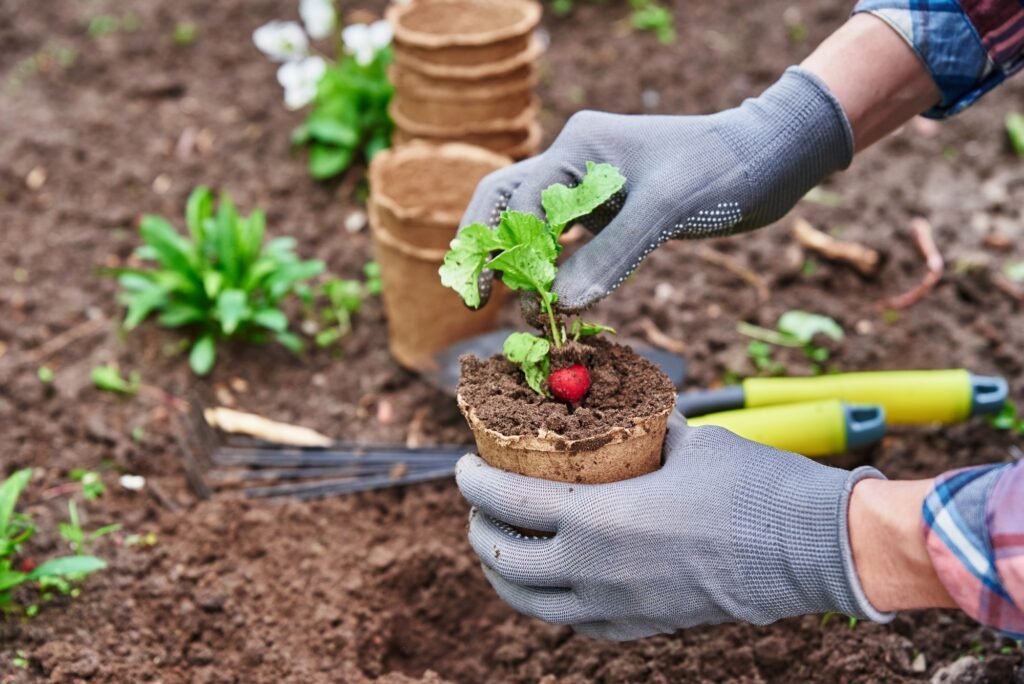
15 571
795 329
78 539
524 248
92 484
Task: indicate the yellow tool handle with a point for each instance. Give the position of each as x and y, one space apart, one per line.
817 428
908 397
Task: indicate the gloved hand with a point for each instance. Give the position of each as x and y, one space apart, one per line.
687 177
727 530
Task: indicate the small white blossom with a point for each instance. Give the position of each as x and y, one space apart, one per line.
282 41
133 482
364 41
299 80
319 17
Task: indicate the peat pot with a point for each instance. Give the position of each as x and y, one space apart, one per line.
418 194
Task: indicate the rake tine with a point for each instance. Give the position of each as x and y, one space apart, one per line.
336 487
284 460
354 448
236 476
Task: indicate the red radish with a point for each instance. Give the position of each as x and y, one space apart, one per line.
570 383
28 565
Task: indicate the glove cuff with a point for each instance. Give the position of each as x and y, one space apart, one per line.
858 604
792 542
788 140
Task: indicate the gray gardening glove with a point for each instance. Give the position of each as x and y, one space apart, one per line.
687 177
727 530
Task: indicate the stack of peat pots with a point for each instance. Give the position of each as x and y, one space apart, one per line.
418 194
465 71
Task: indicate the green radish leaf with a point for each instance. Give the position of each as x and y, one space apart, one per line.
518 228
371 269
803 326
213 281
532 355
563 204
67 566
283 280
232 309
1006 419
463 263
327 161
203 354
198 209
1015 131
522 268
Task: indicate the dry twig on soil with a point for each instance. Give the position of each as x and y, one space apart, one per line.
68 337
1015 293
733 265
933 259
864 259
659 338
239 422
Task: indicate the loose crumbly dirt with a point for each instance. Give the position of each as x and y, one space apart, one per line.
624 387
385 585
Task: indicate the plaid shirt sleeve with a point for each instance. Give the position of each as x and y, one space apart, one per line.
968 46
974 531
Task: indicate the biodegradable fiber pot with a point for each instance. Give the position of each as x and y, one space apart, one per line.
468 102
418 194
467 38
517 144
619 442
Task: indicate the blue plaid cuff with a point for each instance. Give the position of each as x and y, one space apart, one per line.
944 38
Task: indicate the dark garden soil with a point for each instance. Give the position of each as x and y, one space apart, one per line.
624 387
95 130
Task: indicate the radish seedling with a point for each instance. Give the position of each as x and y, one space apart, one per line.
523 248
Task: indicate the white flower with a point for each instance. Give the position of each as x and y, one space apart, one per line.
282 41
133 482
299 80
318 16
364 41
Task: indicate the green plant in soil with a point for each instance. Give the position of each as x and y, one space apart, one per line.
795 329
1008 419
344 299
92 483
78 539
349 118
222 280
108 378
523 249
1015 132
349 91
646 15
17 570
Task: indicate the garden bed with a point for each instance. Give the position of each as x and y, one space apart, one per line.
385 585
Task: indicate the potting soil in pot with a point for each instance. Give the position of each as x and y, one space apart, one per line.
624 387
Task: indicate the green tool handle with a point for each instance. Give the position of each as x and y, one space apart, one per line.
817 428
908 397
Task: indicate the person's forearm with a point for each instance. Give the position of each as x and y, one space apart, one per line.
879 81
889 550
